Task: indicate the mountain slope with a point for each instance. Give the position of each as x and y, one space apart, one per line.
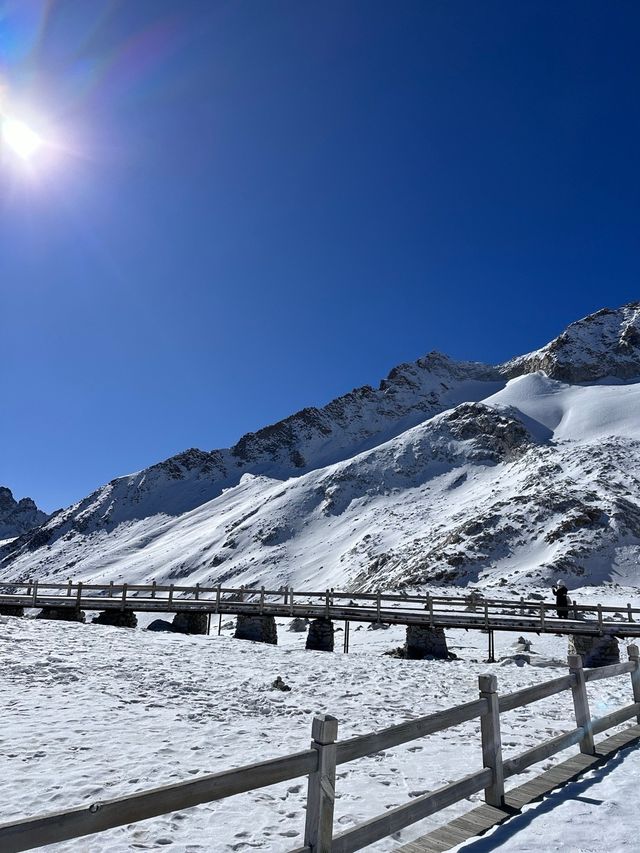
448 473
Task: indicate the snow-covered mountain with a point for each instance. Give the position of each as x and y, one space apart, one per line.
17 517
447 473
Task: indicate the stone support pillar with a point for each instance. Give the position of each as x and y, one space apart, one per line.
185 622
320 636
259 629
594 650
425 642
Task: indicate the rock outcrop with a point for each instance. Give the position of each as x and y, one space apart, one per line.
18 517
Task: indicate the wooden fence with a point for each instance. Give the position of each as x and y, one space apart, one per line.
449 611
319 764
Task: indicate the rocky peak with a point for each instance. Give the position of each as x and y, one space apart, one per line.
17 517
604 344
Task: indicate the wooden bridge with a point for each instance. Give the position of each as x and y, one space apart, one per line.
319 763
470 612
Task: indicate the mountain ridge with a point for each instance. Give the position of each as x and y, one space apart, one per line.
299 456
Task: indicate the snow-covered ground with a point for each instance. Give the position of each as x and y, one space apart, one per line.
92 712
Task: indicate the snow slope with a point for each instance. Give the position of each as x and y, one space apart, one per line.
447 474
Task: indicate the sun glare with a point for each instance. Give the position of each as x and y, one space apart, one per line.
18 136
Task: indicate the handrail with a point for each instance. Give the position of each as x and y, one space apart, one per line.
434 600
107 814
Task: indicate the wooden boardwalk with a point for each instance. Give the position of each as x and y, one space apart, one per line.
466 612
485 817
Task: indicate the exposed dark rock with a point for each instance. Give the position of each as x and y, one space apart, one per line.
161 625
11 610
298 625
18 517
279 684
117 618
62 614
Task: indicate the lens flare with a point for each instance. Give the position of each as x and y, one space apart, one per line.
18 136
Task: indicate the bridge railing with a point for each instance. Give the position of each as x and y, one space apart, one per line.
320 761
336 604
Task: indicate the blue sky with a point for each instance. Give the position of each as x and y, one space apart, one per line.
251 207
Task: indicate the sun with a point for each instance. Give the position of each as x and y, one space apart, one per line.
18 136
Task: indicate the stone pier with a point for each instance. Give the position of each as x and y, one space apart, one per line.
62 614
11 610
320 636
118 618
425 643
190 623
260 629
595 651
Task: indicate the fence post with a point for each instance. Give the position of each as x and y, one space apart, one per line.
318 831
35 593
634 655
581 704
491 740
69 585
153 589
79 595
123 604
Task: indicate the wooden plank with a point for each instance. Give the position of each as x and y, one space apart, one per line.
400 817
85 820
615 718
358 747
608 671
513 766
509 701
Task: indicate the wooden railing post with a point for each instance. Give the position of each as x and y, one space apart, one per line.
124 596
318 832
69 585
79 595
197 592
491 740
326 605
35 593
261 599
218 591
153 589
581 704
290 601
634 655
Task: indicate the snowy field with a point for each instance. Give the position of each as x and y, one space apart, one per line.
92 712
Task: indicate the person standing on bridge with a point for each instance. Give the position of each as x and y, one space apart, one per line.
562 599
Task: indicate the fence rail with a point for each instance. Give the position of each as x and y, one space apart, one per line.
436 611
326 752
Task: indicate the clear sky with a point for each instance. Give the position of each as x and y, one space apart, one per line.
249 207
